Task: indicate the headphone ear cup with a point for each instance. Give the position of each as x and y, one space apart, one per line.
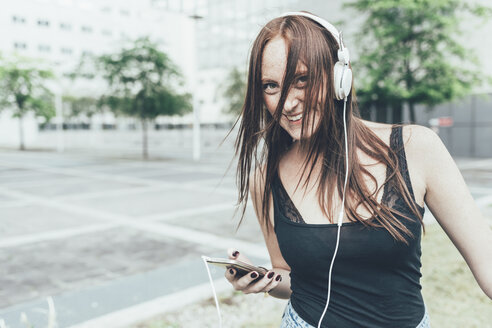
347 81
342 80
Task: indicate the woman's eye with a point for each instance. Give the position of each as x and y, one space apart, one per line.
301 81
270 87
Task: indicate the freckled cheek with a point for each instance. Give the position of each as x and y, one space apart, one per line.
271 103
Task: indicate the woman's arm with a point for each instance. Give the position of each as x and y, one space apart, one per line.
451 203
283 288
278 288
256 187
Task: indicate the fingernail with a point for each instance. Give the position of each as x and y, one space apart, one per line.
235 254
270 275
254 275
279 278
231 271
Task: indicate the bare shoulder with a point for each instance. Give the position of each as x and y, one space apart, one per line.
423 146
426 156
420 137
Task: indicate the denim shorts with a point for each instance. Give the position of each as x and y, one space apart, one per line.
290 319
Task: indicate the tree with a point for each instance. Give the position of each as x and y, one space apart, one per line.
142 81
410 53
22 88
234 91
76 107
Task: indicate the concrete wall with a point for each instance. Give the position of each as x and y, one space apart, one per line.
471 133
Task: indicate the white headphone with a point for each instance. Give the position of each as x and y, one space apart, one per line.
342 78
342 74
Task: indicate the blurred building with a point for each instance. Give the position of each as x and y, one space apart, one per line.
228 28
226 34
206 38
59 32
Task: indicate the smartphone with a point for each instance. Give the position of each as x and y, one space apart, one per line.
241 268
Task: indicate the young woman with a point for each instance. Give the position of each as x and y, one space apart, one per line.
309 162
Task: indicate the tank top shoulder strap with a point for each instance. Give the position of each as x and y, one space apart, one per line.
276 198
397 144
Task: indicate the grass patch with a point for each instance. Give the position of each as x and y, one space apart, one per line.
450 291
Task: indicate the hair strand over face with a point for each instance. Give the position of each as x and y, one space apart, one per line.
261 141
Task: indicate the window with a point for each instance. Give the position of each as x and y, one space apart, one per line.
66 51
18 19
44 48
124 12
43 22
107 32
65 26
106 10
86 52
86 29
20 45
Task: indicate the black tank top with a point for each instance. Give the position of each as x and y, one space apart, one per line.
375 278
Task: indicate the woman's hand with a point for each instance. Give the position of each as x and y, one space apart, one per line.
249 283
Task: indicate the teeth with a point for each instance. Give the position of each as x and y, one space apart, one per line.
294 118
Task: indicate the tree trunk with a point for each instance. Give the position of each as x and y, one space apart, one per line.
365 111
145 152
381 111
397 114
21 133
411 109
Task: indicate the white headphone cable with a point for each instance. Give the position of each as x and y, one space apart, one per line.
340 217
204 258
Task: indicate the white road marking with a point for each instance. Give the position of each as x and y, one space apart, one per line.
189 235
14 203
112 193
187 212
121 178
484 201
475 164
481 190
53 235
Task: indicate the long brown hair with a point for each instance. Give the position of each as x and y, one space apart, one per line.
261 141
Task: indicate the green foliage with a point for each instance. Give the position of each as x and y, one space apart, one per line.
234 91
142 80
410 53
22 88
78 106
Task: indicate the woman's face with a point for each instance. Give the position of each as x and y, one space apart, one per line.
273 67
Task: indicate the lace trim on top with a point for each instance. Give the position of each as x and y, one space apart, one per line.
390 192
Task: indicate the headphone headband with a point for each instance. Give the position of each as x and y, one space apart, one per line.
332 29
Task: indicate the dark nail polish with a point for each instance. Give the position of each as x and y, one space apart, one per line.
231 271
254 275
270 275
279 278
235 254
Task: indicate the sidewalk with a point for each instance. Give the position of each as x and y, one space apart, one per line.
101 235
117 241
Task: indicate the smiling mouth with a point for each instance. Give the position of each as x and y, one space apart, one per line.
294 118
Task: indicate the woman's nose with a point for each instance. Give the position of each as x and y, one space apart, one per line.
291 102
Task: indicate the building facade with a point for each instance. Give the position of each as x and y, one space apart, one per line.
58 33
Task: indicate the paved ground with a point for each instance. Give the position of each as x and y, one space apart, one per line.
102 235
